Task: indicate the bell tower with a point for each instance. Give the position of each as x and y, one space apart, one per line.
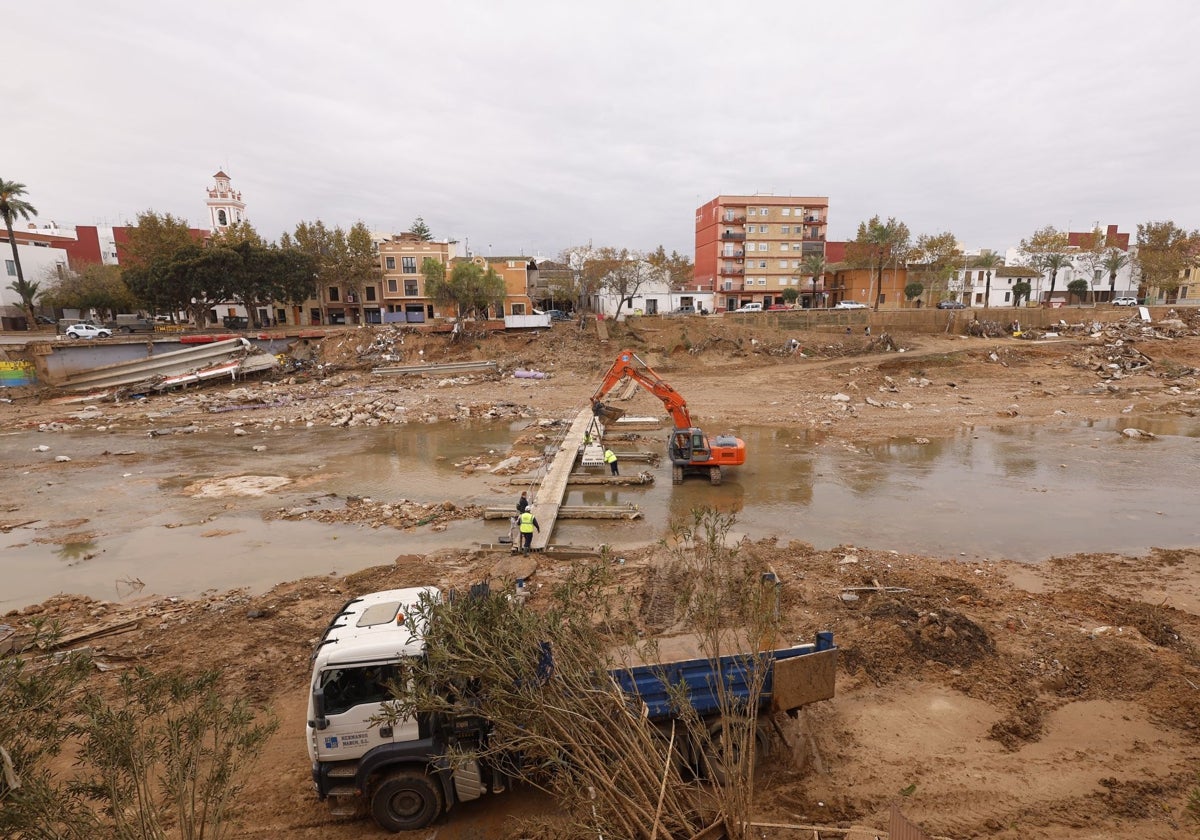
225 205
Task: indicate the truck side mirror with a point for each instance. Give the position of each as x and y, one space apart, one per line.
318 697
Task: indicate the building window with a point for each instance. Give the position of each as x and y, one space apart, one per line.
1007 297
370 293
763 229
763 246
762 263
786 230
408 265
333 294
518 309
787 211
783 264
391 287
410 288
389 263
222 219
11 268
752 211
783 246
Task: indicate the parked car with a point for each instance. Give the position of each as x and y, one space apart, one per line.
951 304
556 314
88 331
778 307
1125 301
749 307
235 322
683 310
850 304
42 319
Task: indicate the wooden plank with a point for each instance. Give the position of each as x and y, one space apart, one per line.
554 486
629 511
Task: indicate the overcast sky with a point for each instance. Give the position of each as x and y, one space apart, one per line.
527 127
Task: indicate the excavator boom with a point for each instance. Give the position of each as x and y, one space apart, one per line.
689 448
629 365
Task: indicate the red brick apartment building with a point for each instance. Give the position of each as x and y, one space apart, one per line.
749 248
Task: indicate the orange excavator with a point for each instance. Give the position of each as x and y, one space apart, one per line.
691 451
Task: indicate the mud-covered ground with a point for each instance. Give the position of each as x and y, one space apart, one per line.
1057 700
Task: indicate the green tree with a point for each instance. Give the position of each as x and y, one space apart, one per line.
1021 289
988 261
34 803
790 295
156 243
813 267
420 230
1114 260
95 286
677 268
171 758
1079 289
877 245
1164 250
12 206
470 289
913 291
937 258
362 267
1047 250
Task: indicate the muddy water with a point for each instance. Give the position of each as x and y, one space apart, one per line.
126 516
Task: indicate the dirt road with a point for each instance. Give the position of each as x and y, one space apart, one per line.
1057 700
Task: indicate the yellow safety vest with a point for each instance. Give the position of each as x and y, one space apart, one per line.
526 523
609 456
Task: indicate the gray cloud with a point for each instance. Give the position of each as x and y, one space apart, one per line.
538 125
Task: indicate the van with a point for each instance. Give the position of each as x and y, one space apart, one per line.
130 324
749 307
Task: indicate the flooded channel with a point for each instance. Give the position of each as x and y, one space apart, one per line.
121 519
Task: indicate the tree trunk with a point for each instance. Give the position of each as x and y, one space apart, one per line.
12 240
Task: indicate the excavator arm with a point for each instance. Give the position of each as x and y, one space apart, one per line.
629 365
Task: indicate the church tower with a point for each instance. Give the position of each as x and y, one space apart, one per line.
225 205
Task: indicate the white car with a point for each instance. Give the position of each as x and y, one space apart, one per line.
749 307
849 304
1125 301
87 331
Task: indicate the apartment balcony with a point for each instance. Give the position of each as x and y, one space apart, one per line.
732 255
811 237
731 271
733 236
733 219
729 286
814 220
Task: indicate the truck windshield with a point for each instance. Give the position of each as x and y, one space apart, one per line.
353 686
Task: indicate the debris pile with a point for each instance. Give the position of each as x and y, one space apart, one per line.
402 514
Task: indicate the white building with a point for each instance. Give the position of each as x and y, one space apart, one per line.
225 205
654 297
41 263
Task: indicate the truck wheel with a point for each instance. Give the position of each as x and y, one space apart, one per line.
406 801
714 475
127 330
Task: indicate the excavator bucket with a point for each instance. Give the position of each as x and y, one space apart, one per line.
607 413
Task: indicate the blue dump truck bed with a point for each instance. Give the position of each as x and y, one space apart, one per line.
796 676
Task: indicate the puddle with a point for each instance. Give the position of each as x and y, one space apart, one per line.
183 514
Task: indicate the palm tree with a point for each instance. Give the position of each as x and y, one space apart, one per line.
988 260
1114 260
1052 262
11 206
814 266
28 293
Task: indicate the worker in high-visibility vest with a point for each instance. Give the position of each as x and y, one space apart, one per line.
610 458
526 523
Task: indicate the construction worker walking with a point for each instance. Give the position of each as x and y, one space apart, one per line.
526 523
610 458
